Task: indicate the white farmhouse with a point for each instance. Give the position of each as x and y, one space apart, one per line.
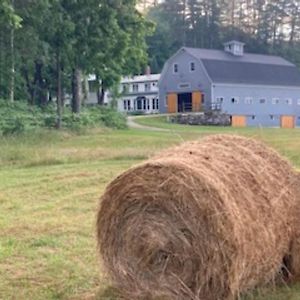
139 94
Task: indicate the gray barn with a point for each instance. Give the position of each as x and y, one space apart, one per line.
256 90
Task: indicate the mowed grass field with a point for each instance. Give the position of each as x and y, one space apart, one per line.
50 185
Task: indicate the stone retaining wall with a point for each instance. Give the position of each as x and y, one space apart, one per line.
203 118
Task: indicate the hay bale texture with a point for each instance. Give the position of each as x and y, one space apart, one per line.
206 220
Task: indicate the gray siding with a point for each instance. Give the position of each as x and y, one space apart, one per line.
267 114
170 82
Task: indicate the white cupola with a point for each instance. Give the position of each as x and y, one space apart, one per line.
235 48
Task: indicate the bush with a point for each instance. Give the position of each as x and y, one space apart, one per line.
18 117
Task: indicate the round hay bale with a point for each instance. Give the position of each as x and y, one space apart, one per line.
205 220
294 258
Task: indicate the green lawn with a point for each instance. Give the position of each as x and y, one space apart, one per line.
50 184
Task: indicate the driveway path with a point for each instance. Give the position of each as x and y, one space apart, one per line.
132 124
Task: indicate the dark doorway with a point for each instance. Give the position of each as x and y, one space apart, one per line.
140 103
185 102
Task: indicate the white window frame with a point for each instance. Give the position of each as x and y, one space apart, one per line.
248 100
147 86
289 101
129 105
125 88
275 101
137 87
177 67
192 63
219 100
236 100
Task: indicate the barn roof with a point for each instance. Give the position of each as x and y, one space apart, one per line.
224 67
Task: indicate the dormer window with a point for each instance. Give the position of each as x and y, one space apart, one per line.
192 67
175 68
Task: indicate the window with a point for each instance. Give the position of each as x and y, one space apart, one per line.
235 100
153 103
125 104
144 104
157 104
139 103
248 100
175 68
148 103
192 66
275 101
217 104
147 87
298 101
128 105
272 117
125 88
262 101
153 83
135 87
289 101
253 117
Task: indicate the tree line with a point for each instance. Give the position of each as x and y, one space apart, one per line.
266 26
48 47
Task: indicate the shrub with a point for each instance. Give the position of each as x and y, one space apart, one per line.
19 117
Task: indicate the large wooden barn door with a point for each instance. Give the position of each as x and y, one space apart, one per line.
287 122
196 101
172 101
239 121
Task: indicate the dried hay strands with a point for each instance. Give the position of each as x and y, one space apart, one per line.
206 220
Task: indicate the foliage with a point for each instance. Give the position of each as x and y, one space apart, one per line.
58 38
8 15
18 117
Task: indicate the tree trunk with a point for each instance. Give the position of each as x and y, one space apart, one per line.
59 91
12 70
102 95
99 94
86 91
40 91
30 89
2 65
76 90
